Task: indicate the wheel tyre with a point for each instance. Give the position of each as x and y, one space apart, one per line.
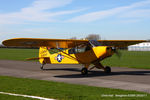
107 69
84 71
42 67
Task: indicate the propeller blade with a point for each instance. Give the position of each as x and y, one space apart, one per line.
118 53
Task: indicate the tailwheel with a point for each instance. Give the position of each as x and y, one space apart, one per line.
107 69
42 66
84 71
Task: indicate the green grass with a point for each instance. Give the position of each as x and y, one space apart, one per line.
10 97
62 91
17 54
133 59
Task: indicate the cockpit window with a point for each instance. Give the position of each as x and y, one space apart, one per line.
94 43
84 48
79 49
76 50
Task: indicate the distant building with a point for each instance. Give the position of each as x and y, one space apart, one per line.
1 46
145 46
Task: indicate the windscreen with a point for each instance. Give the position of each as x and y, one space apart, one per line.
94 43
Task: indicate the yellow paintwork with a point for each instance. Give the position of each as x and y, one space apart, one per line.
43 52
88 57
99 51
85 58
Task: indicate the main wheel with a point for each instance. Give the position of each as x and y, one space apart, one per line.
84 71
107 69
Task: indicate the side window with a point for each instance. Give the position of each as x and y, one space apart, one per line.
80 50
87 48
76 50
71 51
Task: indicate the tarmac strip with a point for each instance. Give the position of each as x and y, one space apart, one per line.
27 96
120 78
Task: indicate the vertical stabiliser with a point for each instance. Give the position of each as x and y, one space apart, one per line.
44 55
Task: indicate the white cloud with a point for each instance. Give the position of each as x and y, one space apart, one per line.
142 13
38 11
48 4
93 16
128 21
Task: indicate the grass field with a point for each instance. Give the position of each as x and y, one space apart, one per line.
18 54
10 97
133 59
61 91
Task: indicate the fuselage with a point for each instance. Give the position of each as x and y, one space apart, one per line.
76 55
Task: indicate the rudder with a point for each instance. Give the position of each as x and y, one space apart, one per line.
44 54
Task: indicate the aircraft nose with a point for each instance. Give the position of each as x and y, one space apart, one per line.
108 48
111 49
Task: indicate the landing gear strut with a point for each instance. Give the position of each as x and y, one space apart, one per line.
98 65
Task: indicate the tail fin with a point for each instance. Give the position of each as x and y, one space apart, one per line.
43 52
44 55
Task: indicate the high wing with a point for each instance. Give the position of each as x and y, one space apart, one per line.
37 42
64 43
120 43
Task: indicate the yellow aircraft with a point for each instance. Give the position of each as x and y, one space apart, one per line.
85 52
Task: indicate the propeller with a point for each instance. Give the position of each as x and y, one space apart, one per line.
116 50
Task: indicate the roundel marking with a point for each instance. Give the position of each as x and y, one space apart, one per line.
59 57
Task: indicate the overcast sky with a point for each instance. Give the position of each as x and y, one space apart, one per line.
111 19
